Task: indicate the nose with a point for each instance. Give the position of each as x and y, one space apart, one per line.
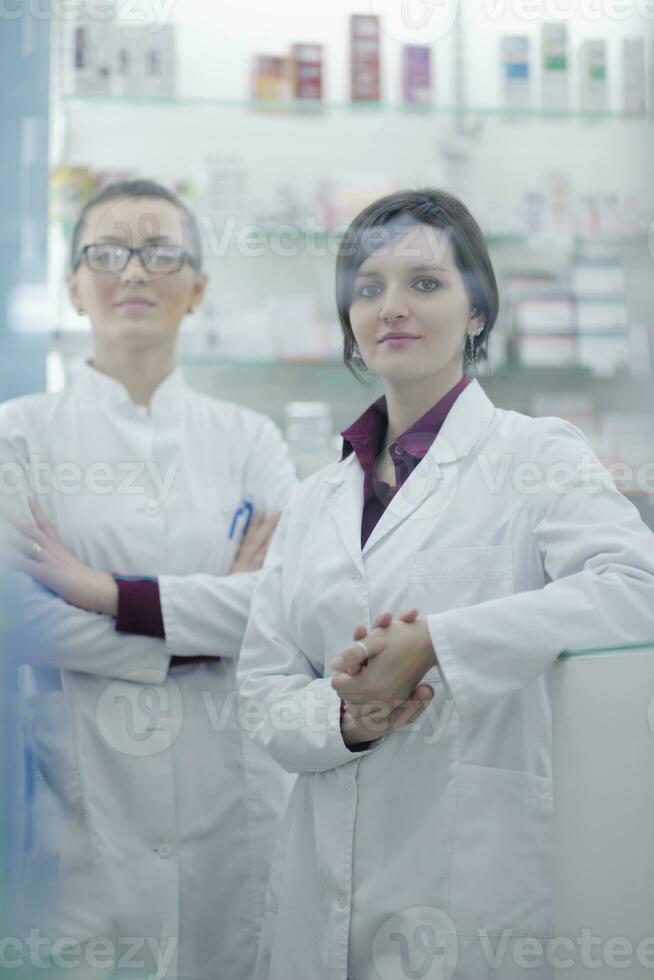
394 307
133 271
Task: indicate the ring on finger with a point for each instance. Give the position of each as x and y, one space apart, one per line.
364 649
36 549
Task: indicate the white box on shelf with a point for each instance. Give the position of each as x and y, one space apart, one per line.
545 314
127 59
603 353
633 75
593 77
548 350
514 50
601 315
86 54
158 64
555 67
598 278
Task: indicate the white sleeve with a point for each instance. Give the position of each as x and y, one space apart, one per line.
47 631
598 558
293 711
205 615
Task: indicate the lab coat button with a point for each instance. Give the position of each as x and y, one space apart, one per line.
348 789
164 851
341 898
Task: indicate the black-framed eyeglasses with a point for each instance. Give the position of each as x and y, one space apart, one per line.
156 260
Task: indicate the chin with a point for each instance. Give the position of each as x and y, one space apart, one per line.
137 332
398 372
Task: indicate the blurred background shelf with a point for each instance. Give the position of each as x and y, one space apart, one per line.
301 107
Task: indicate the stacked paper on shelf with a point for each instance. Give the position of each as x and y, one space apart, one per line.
592 67
601 315
555 66
514 50
598 278
544 314
223 181
416 74
603 352
548 350
365 69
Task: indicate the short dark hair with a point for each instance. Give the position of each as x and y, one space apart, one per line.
390 216
139 188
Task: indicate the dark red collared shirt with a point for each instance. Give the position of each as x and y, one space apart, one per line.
365 438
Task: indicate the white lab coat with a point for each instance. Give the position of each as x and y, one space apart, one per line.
153 816
398 858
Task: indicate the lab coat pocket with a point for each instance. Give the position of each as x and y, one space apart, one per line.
56 810
502 860
448 578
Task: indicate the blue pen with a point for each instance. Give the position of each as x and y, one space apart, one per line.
247 508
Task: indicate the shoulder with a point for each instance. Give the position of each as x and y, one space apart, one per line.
27 413
531 437
311 490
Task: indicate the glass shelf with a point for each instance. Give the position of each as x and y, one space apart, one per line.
302 107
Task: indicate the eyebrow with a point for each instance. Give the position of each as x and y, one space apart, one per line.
116 238
416 268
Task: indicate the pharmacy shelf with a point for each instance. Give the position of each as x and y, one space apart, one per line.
301 107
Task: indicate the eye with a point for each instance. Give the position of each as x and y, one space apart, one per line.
369 290
426 284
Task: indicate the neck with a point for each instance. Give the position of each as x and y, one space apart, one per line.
141 372
409 400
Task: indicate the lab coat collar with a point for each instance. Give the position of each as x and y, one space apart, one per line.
465 424
165 403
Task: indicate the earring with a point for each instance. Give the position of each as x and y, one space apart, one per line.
80 312
474 350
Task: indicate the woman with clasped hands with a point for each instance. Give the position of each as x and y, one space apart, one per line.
418 834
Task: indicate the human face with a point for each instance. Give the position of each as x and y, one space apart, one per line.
410 312
135 309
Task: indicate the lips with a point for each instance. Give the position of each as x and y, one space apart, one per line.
135 302
398 336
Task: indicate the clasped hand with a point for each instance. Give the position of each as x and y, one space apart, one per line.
380 686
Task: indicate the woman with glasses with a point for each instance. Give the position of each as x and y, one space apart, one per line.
417 840
152 506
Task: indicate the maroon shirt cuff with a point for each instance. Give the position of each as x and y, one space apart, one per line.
139 606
